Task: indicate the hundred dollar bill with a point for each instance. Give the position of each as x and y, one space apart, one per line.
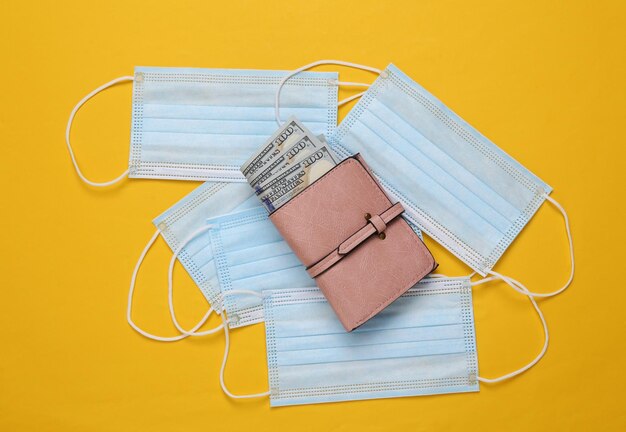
297 178
284 136
281 175
303 148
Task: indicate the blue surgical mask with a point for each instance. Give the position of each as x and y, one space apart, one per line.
250 254
181 220
456 185
422 344
182 228
202 124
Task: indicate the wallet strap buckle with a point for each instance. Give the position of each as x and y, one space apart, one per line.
376 224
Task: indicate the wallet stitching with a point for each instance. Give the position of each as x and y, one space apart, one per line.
324 178
355 247
399 292
421 251
366 224
406 227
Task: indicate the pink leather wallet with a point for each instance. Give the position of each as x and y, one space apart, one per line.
352 240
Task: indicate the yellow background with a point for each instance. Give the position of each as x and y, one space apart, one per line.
544 80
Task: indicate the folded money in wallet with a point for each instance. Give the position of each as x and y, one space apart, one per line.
353 242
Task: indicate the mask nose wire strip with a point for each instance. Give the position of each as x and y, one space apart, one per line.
309 66
170 285
131 291
227 348
68 129
525 291
543 349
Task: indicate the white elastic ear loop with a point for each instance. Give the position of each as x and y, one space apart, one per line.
130 300
170 283
349 99
350 84
524 290
545 331
309 66
69 128
227 348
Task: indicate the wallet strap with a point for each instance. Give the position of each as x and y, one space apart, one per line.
375 224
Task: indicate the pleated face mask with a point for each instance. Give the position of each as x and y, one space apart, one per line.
456 185
202 124
250 255
422 344
184 229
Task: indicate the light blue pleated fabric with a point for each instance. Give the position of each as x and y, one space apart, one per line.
250 254
180 222
202 124
421 344
455 184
